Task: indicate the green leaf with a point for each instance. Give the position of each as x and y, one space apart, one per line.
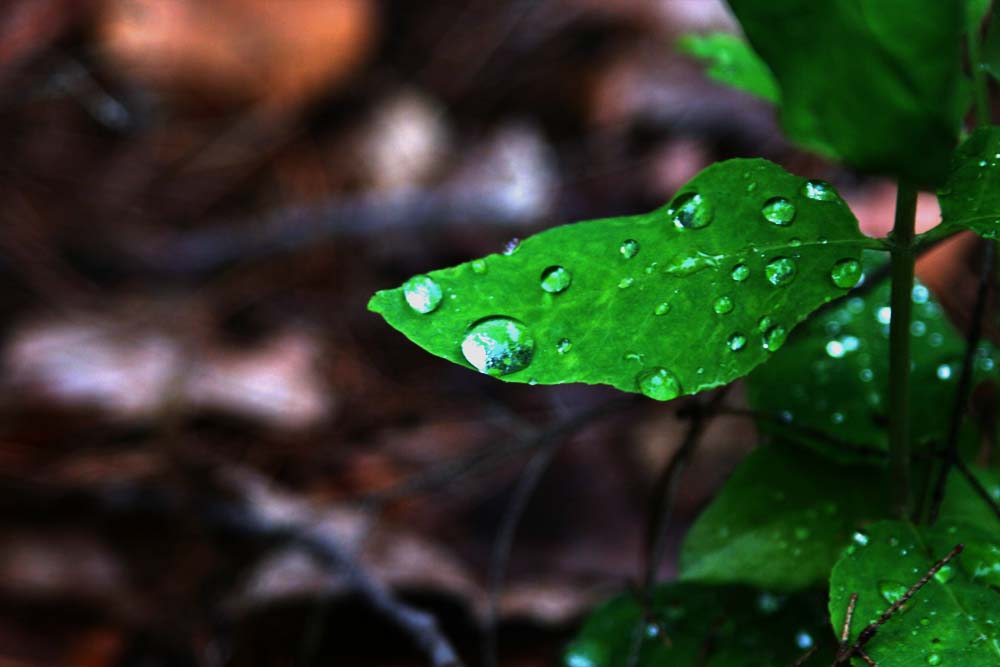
962 503
989 53
688 297
876 83
951 621
782 519
975 13
712 626
970 198
833 375
732 62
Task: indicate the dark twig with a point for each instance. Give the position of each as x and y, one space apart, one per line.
848 651
964 382
500 555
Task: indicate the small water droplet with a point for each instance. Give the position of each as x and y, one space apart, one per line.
723 305
479 266
774 338
884 315
422 294
920 294
944 372
918 328
846 273
736 342
780 271
511 247
629 248
690 264
740 272
498 346
835 349
860 538
556 279
691 211
564 345
662 309
659 384
933 659
891 591
764 323
779 211
820 191
625 283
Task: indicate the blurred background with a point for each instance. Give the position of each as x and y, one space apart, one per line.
210 452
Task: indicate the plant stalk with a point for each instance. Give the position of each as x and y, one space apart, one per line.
903 257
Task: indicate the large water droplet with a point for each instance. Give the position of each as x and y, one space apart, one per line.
659 384
780 271
691 211
774 338
723 305
779 210
422 294
498 346
629 248
891 591
820 191
740 272
564 345
736 342
846 273
556 279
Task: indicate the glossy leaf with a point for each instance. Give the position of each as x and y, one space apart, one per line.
688 297
731 61
782 519
951 621
833 375
970 199
876 83
713 626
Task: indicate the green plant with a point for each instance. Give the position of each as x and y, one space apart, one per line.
864 479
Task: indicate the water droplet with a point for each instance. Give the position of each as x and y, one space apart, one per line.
511 247
625 283
556 279
945 574
662 309
884 315
422 294
820 191
691 211
933 659
859 538
774 338
736 342
479 266
835 349
780 271
564 345
803 640
498 346
740 272
846 273
659 384
764 323
891 591
920 294
629 248
723 305
690 264
779 210
586 653
918 328
944 372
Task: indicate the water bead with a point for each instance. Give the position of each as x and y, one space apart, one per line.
723 305
498 346
556 279
779 211
658 384
846 273
422 294
819 191
629 248
736 342
740 272
780 271
691 211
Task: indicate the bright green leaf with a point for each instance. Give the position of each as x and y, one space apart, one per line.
951 621
731 61
688 297
712 626
970 198
782 519
833 375
877 83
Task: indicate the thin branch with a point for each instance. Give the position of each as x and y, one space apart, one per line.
964 382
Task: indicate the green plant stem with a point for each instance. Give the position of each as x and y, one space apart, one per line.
899 347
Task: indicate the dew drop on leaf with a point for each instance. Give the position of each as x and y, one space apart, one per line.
662 309
846 273
780 271
691 211
819 191
556 279
891 591
629 248
723 305
625 283
779 211
498 346
511 246
736 342
740 272
659 384
933 659
422 294
564 345
774 338
479 266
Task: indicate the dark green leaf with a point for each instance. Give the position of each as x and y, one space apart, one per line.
975 13
731 61
712 626
782 519
877 83
953 620
685 298
832 376
990 50
970 199
963 505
